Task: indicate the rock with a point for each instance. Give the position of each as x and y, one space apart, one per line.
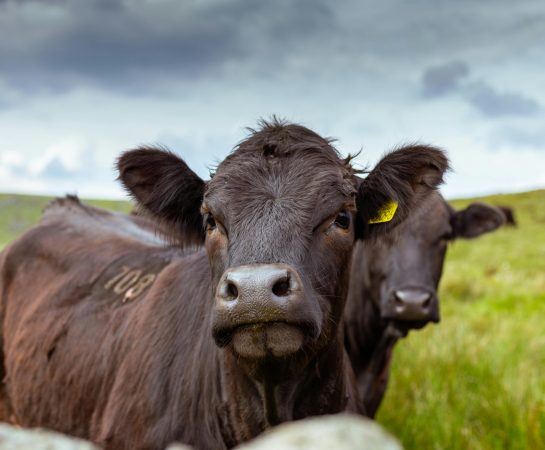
178 446
15 438
339 432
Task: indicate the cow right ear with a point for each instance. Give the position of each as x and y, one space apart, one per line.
509 215
477 219
397 186
163 185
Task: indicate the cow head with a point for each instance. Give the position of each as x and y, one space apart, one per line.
401 271
279 218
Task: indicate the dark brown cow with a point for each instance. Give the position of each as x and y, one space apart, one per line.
110 337
394 281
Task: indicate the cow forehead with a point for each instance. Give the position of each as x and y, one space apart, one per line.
423 225
431 217
253 184
270 205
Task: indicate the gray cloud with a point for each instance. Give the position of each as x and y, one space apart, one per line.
214 147
443 79
493 103
517 137
450 78
126 44
55 169
137 45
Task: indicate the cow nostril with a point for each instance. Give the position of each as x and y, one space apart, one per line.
281 288
426 303
232 292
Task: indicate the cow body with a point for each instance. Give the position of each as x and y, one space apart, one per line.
394 282
114 365
109 334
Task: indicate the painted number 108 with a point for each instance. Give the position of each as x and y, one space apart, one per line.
130 282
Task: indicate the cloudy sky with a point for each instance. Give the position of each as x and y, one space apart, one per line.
82 80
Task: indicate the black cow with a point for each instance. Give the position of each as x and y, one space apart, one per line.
394 281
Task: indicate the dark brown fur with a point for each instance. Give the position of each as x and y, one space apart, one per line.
139 374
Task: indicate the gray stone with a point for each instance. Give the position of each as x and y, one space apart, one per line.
339 432
178 446
15 438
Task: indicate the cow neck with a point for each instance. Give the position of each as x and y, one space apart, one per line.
321 389
364 329
378 360
370 341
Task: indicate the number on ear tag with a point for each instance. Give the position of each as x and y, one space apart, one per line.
385 213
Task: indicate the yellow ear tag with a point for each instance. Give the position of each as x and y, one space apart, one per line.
385 213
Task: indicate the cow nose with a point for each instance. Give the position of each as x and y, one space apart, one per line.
412 304
262 308
273 283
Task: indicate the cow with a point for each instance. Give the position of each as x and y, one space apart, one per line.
232 328
394 282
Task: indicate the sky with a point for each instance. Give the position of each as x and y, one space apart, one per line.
82 80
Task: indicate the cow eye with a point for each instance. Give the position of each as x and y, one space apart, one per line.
210 222
343 220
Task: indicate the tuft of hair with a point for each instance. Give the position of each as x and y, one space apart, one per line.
349 162
278 132
278 138
66 202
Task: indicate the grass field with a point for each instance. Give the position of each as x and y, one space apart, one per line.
19 212
475 381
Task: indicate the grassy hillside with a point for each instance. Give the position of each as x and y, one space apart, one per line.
475 381
20 212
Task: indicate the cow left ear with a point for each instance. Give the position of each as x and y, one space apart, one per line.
476 219
165 187
396 187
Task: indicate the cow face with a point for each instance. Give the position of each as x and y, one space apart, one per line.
279 219
403 269
279 216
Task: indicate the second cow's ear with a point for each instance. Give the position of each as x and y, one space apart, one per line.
397 186
166 187
476 219
509 215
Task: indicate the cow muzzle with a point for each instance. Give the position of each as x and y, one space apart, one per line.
262 310
412 304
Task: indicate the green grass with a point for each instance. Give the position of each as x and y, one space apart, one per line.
19 212
475 381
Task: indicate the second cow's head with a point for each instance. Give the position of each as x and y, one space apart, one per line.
278 220
400 273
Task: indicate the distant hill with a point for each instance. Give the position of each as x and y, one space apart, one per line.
19 212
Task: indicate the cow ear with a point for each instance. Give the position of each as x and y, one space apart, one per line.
397 186
476 219
509 215
164 186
